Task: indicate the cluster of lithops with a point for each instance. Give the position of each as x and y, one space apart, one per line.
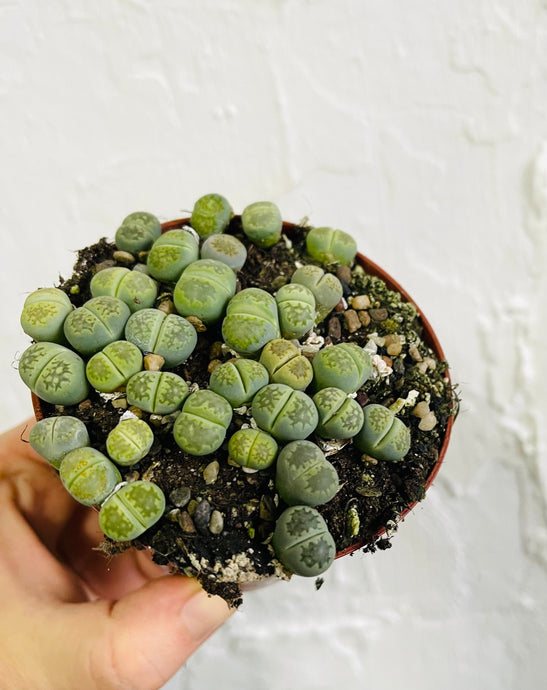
121 341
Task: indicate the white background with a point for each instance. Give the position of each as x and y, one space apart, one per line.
419 127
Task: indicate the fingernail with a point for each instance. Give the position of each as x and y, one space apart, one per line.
203 614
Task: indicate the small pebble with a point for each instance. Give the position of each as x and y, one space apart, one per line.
353 323
216 523
123 257
213 364
202 515
180 496
141 268
108 263
215 350
83 406
379 314
136 411
153 362
167 306
335 329
344 273
186 523
415 353
120 403
197 323
394 349
428 422
421 409
387 360
173 515
361 302
192 505
210 473
143 256
341 306
364 317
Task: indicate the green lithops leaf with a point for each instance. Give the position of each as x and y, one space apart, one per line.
339 416
44 314
54 437
331 246
302 541
285 413
225 248
211 215
137 232
238 380
134 508
304 476
262 223
201 426
296 306
383 435
251 321
114 366
326 288
252 449
101 320
129 441
157 392
171 253
203 290
346 366
88 475
286 365
134 288
168 335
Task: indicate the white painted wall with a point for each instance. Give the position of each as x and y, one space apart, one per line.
421 128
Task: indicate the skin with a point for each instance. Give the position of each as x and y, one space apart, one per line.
71 617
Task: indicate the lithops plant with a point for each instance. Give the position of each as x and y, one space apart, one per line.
101 320
44 313
157 392
54 437
225 248
134 288
252 449
54 373
296 307
171 253
129 441
304 476
113 366
346 366
211 215
326 288
168 335
285 364
201 426
285 413
88 475
339 416
238 380
331 246
137 232
262 223
131 510
383 435
203 290
251 321
302 541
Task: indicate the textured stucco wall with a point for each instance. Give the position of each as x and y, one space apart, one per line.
421 128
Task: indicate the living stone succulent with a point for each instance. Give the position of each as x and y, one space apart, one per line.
238 380
252 448
168 335
383 435
129 441
285 413
44 314
225 248
296 307
304 476
346 366
251 321
113 366
137 232
339 416
211 215
331 246
302 541
131 510
326 288
101 320
134 288
54 373
171 253
157 392
54 437
201 426
88 475
262 223
203 290
285 364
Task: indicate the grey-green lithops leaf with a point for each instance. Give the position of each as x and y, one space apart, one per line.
171 253
304 476
134 508
201 426
168 335
252 448
203 290
54 437
44 314
101 320
286 365
251 321
134 288
211 215
326 288
296 306
339 416
129 441
262 223
383 435
302 541
331 246
225 248
54 373
137 232
346 366
285 413
88 475
157 392
113 366
238 380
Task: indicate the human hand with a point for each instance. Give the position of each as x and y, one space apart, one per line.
71 617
